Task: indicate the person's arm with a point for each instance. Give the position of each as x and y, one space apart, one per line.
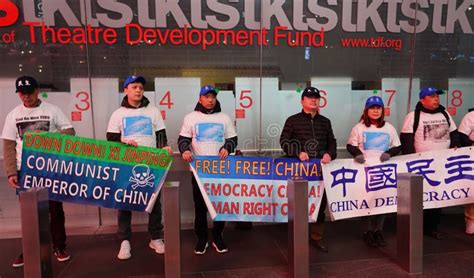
393 151
332 144
185 139
455 141
353 150
184 143
289 145
68 131
353 142
62 122
161 138
114 133
408 143
230 135
9 153
464 140
9 135
230 144
407 137
113 136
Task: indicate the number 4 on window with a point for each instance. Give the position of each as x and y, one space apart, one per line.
166 100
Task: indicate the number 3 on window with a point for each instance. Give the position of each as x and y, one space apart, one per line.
84 101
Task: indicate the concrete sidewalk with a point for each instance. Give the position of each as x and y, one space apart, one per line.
260 252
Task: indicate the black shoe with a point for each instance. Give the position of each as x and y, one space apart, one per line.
201 247
369 239
320 245
378 237
434 234
219 244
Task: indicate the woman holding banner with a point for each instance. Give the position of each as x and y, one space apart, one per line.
373 137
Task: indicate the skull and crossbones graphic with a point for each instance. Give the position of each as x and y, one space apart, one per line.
141 176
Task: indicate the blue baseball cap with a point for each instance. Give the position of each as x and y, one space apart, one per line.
134 79
429 91
374 100
207 89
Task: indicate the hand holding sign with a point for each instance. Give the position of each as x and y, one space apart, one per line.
223 154
13 181
187 156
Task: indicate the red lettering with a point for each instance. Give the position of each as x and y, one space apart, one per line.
128 31
242 38
11 13
149 35
176 37
63 35
277 35
163 39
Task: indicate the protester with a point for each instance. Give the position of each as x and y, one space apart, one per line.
373 137
206 131
137 123
307 135
429 128
34 115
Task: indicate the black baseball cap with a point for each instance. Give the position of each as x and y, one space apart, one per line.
310 92
26 84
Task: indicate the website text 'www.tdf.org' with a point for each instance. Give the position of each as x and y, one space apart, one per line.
373 42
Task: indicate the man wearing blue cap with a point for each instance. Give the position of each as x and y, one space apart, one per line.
34 115
137 123
307 135
429 128
206 131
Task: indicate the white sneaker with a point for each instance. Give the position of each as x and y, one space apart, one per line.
158 245
125 248
470 228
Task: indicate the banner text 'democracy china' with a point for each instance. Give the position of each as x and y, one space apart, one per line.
254 188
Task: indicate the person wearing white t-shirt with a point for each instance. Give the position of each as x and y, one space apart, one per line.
373 137
206 131
137 123
429 128
34 115
466 134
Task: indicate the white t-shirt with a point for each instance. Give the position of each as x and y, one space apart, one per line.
373 141
208 131
138 124
467 125
432 133
45 117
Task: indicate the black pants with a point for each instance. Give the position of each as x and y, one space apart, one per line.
431 219
56 221
155 227
200 215
322 209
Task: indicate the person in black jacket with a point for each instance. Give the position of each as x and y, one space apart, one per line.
307 135
429 128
